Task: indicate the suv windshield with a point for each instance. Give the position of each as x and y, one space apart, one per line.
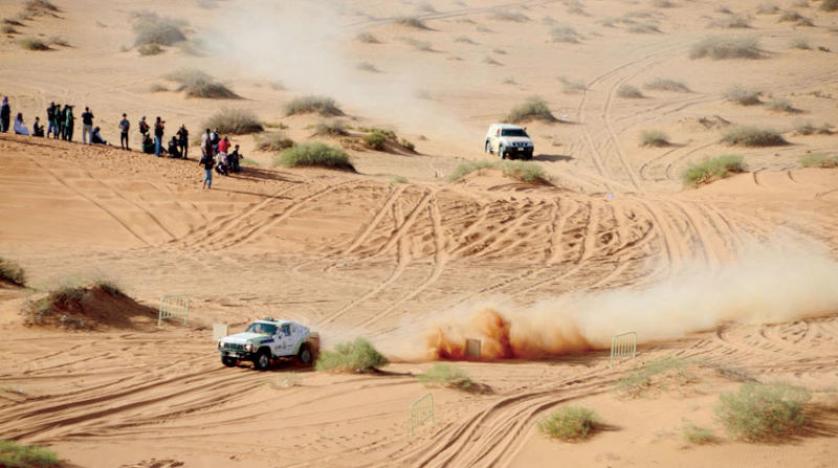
262 328
513 132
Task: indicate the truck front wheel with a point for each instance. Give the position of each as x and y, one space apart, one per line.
229 362
305 357
263 360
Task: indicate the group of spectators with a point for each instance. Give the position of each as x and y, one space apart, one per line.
216 154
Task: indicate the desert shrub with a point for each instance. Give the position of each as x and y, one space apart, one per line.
491 61
235 122
731 22
464 40
8 29
368 67
768 9
565 34
58 41
331 128
782 105
743 96
147 50
367 38
16 455
446 375
322 105
358 356
11 272
759 412
664 84
150 28
641 380
314 155
466 168
534 108
655 138
698 435
829 5
375 140
800 43
713 169
571 423
109 287
629 92
719 48
198 84
33 43
423 46
273 142
523 171
807 128
398 180
412 22
662 4
790 16
643 28
572 86
512 16
753 136
818 160
39 7
157 88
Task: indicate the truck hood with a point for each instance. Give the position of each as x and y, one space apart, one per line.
244 338
513 140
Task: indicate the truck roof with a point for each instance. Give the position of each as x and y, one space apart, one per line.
274 321
505 125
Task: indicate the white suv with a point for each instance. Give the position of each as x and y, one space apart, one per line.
268 340
508 141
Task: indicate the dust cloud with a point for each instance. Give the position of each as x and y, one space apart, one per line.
763 286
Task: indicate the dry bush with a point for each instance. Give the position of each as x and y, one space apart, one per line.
572 86
522 171
331 128
39 7
8 29
640 381
413 22
447 375
782 105
423 46
33 43
664 84
368 67
358 356
643 28
807 128
150 28
198 84
720 48
235 122
763 412
564 34
58 41
829 5
731 22
629 92
465 40
753 136
11 272
570 423
157 88
743 96
534 108
713 169
311 104
768 9
491 61
662 4
697 435
149 50
367 38
654 138
790 16
512 16
800 43
273 142
819 160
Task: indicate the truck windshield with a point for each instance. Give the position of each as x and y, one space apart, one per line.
262 328
514 132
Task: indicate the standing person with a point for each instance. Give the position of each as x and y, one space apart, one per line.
124 127
52 127
206 144
59 122
143 127
86 125
5 115
215 139
159 132
183 141
37 128
69 122
20 127
207 163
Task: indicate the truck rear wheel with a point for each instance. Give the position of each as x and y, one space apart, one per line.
229 362
305 356
263 360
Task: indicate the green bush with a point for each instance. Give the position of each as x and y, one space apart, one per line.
752 136
720 48
446 375
710 170
15 455
331 128
235 122
358 356
466 168
11 272
822 161
782 105
33 43
375 140
663 84
273 142
519 170
654 138
322 105
759 412
314 154
639 381
534 108
571 423
697 435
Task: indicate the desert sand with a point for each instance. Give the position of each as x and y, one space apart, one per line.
737 276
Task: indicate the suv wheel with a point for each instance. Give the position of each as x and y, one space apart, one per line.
263 360
229 362
488 147
501 152
304 356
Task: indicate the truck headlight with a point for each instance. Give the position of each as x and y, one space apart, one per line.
248 347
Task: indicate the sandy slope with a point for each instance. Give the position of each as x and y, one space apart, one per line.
356 254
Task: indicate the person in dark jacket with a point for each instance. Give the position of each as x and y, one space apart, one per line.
234 159
37 128
86 125
207 162
69 122
174 148
183 141
159 132
5 115
52 124
124 127
96 137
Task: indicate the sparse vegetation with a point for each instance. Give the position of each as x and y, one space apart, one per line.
157 88
273 142
331 128
743 96
16 455
523 171
367 38
782 105
790 16
447 375
713 169
640 381
423 46
819 160
654 138
358 356
58 41
235 122
629 92
768 9
39 7
322 105
720 48
150 28
564 34
11 272
829 5
760 412
534 108
570 423
512 16
572 86
33 43
198 84
8 29
148 50
368 67
753 136
698 435
731 22
807 128
413 22
800 43
314 155
664 84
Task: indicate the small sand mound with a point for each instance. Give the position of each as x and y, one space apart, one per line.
95 307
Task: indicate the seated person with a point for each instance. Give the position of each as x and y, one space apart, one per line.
221 164
233 159
96 137
37 128
148 144
20 127
174 148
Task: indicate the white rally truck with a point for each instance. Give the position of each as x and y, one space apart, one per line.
508 141
265 341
